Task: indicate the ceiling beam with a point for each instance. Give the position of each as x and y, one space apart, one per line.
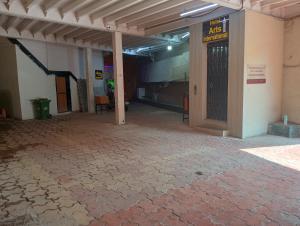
266 3
152 10
232 4
96 36
76 32
39 27
114 8
12 22
26 24
65 31
48 4
155 22
86 35
57 41
101 39
185 22
92 7
37 13
3 19
53 29
29 3
133 9
284 4
172 11
72 5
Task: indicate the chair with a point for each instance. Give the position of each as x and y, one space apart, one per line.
2 113
101 102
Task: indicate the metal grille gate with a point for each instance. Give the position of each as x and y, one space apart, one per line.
217 80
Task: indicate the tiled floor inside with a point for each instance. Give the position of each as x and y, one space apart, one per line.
81 169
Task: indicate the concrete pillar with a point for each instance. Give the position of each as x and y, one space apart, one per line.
196 77
236 74
118 77
90 80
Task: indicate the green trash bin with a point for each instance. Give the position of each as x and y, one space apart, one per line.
41 108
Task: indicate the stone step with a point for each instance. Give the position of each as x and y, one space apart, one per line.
213 131
279 129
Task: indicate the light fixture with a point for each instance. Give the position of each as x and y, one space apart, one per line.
169 47
198 10
185 35
142 49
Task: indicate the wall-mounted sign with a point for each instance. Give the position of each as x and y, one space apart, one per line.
99 74
216 29
256 74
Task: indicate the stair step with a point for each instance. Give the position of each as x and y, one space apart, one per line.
213 131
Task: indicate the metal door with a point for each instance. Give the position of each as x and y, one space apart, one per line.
217 80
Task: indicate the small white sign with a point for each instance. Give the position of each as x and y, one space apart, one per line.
256 74
256 70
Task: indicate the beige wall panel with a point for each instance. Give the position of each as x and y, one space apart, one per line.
263 46
291 73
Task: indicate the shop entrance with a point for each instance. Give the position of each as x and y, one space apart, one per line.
217 80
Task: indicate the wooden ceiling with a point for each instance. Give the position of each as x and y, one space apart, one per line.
280 8
89 22
16 27
143 22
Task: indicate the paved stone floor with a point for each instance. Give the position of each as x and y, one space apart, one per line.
81 169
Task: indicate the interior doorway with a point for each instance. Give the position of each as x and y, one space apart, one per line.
63 94
217 80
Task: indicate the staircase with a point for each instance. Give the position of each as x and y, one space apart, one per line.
39 63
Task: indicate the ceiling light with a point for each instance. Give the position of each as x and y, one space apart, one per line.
185 35
142 49
169 47
199 9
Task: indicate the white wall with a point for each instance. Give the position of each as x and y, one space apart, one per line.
58 58
9 78
81 63
168 68
34 83
291 73
263 46
67 58
98 64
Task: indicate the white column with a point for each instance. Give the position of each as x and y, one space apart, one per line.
118 77
89 80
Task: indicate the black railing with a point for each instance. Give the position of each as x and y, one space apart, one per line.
39 63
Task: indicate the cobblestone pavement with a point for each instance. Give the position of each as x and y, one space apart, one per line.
81 169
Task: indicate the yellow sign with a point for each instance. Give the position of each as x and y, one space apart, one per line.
99 74
216 29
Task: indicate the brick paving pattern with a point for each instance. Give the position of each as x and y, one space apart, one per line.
81 169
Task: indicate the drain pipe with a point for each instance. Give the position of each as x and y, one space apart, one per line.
285 120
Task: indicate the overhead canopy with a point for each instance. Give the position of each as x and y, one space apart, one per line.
89 22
